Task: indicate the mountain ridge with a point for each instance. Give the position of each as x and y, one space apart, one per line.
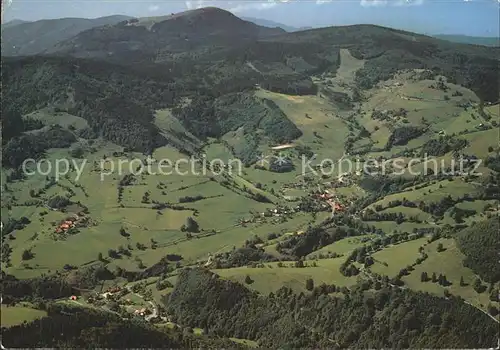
273 24
31 38
472 40
183 32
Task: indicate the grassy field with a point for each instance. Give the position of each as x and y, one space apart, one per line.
394 93
480 141
392 259
432 193
64 119
448 263
15 315
436 110
220 211
492 111
217 150
196 249
344 246
174 131
323 131
389 227
271 179
477 205
249 343
349 65
271 277
409 212
463 122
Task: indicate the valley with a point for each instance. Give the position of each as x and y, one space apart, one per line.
284 193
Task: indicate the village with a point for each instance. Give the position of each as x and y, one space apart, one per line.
324 199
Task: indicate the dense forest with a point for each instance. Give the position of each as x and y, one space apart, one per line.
206 117
316 237
70 326
33 145
386 317
402 135
117 102
481 244
388 50
443 145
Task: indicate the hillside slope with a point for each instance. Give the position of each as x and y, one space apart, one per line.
117 102
142 38
72 326
286 319
14 22
209 53
225 44
388 50
272 24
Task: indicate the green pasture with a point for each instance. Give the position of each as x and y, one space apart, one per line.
16 315
271 277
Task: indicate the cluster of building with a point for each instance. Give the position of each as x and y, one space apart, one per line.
278 211
65 225
70 222
113 294
331 200
142 312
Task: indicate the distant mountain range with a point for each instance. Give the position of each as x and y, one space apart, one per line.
474 40
272 24
456 38
213 47
21 38
14 22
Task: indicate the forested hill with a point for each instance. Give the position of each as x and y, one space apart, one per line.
225 44
69 326
191 31
389 50
208 55
385 317
119 101
481 244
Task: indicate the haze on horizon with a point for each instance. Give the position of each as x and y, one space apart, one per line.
464 17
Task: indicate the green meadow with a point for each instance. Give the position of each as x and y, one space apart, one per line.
16 315
271 277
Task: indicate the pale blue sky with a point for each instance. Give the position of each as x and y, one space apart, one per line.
472 17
